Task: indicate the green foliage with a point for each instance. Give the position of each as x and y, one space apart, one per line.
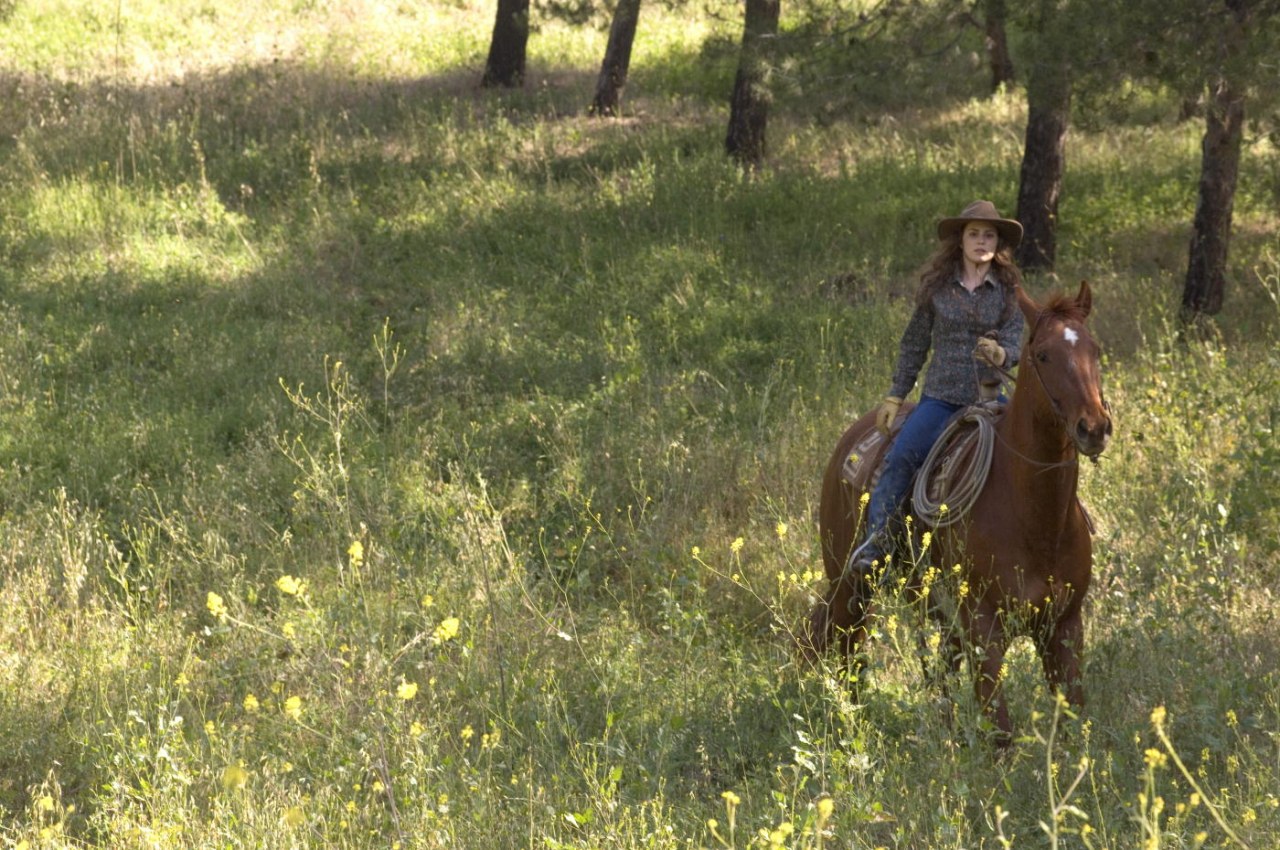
383 461
845 60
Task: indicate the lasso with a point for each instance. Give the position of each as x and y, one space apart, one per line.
966 490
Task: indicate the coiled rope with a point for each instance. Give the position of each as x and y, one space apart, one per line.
964 492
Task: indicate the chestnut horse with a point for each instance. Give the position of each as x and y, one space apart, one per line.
1024 549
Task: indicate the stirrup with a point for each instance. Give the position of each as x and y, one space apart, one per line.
864 558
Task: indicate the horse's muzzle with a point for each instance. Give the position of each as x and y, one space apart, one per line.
1092 434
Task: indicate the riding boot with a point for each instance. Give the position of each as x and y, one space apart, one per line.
870 560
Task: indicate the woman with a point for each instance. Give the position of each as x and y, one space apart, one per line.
967 296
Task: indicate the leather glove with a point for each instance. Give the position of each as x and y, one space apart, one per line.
990 351
886 413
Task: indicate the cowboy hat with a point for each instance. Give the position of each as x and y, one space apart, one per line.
1009 229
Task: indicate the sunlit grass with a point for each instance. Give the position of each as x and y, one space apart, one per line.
157 41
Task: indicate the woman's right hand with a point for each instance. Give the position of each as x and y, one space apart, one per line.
990 351
886 413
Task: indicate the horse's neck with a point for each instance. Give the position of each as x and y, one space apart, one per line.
1043 462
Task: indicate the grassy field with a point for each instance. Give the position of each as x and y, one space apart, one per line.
388 463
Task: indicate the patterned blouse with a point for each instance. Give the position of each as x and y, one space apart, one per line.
950 325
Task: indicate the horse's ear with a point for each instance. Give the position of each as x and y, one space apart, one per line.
1030 309
1084 300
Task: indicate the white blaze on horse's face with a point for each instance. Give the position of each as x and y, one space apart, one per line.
1070 336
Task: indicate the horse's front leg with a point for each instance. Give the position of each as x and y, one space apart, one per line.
987 637
841 617
1060 652
939 663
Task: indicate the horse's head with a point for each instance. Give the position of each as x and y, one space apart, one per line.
1062 354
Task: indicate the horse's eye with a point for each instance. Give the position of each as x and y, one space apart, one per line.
1042 357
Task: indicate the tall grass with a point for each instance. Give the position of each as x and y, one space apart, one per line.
387 462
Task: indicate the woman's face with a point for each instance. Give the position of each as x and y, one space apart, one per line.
979 241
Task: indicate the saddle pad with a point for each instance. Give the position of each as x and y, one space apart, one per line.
861 469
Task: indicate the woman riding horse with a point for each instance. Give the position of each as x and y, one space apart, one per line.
967 290
1024 549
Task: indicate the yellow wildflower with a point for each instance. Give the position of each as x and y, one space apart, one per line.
781 529
216 606
407 690
355 553
251 703
294 816
736 546
234 776
447 630
293 707
289 585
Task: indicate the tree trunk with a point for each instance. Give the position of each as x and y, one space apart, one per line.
1219 166
505 66
993 15
1043 163
749 106
1205 286
617 58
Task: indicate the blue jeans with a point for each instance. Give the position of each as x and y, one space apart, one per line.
919 432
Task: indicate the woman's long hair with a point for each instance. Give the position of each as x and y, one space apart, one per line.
941 269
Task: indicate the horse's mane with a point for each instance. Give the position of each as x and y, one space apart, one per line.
1064 307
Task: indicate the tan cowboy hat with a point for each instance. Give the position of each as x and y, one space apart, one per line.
1009 230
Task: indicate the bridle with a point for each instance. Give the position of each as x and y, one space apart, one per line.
1011 381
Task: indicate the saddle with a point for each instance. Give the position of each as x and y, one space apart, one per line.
952 475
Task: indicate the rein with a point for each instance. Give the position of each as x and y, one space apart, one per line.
1074 460
1010 382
